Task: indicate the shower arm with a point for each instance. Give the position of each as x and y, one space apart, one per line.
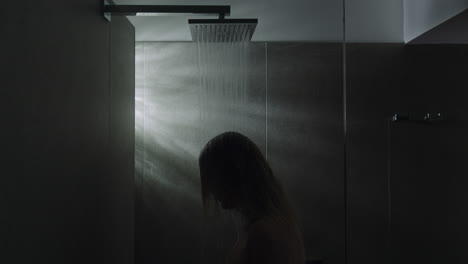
110 9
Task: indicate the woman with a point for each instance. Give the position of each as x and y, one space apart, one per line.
235 174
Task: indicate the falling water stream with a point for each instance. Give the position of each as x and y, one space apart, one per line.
171 131
223 70
223 66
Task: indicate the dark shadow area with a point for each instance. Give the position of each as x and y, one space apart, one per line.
67 169
417 79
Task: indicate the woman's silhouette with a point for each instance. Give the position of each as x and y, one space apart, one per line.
235 174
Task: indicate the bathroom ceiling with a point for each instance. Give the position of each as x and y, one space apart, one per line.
279 20
309 20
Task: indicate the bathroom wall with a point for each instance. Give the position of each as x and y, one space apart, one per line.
293 111
406 182
67 134
305 139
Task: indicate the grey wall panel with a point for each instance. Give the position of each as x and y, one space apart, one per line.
60 70
168 211
435 79
428 197
12 125
54 203
305 139
375 88
118 191
430 186
383 79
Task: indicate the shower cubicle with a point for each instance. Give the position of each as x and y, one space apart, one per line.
364 129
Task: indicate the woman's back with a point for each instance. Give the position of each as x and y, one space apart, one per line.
269 240
235 173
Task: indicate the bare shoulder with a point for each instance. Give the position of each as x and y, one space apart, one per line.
268 228
262 231
266 244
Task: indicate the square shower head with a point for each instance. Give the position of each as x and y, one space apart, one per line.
222 30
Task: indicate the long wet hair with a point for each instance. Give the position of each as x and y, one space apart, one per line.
232 163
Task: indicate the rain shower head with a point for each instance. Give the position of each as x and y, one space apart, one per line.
222 30
203 30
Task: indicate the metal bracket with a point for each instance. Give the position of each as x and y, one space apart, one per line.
107 15
147 10
398 117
